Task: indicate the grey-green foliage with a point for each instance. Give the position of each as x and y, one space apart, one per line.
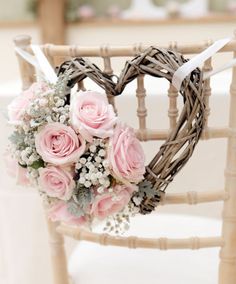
80 201
18 138
75 209
83 197
146 189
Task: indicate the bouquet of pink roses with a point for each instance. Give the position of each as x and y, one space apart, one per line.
84 162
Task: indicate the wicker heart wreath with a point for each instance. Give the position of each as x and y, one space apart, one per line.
66 159
179 146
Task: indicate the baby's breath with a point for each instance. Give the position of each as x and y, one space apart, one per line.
91 169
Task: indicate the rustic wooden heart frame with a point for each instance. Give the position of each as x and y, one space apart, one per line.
180 143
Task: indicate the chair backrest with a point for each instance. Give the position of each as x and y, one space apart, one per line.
227 241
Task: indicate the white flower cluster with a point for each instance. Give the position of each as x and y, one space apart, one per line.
47 108
28 156
92 168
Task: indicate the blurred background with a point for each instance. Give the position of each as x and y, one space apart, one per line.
23 235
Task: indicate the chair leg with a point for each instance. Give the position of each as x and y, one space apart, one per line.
227 269
59 263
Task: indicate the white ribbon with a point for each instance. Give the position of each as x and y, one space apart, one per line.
183 71
232 63
44 64
39 61
28 57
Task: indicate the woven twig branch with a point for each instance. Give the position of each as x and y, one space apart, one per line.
79 69
180 144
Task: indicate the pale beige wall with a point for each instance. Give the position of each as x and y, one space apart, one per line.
14 10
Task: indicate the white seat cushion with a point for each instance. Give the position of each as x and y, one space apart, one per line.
91 263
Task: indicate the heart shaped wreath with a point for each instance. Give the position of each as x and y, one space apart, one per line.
86 164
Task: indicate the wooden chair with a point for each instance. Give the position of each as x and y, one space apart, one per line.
227 241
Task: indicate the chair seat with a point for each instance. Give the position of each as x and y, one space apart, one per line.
91 263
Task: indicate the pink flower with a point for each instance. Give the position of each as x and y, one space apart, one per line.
18 106
126 156
16 171
21 176
57 182
110 203
59 212
58 144
92 115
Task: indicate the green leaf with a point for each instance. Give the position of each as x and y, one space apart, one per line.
37 164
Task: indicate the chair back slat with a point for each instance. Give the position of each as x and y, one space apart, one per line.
173 109
108 70
81 86
132 242
141 110
207 67
27 71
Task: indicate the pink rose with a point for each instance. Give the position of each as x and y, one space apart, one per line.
18 106
21 176
57 182
125 155
110 203
16 171
59 212
58 144
92 115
